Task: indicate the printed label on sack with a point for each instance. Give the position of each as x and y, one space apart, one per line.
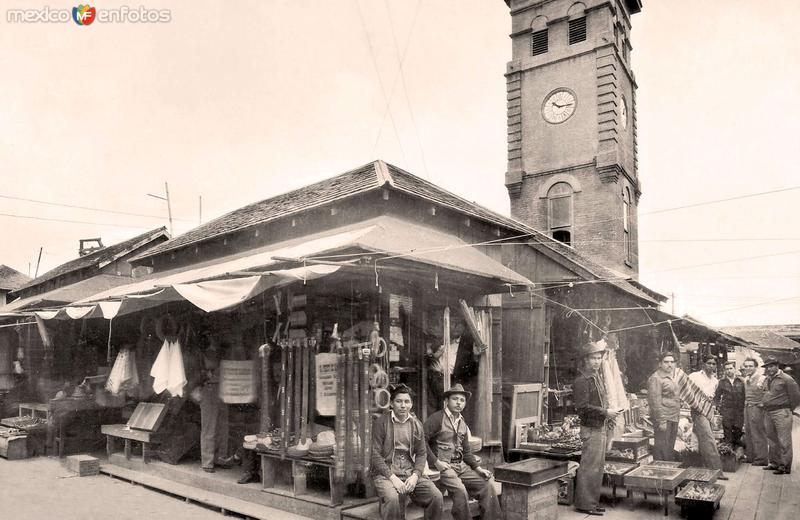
237 382
326 384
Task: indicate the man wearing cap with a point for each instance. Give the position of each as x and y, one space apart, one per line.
706 380
447 437
665 407
591 405
753 414
398 460
781 396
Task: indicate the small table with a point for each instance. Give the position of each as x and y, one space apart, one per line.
530 488
274 463
655 479
121 431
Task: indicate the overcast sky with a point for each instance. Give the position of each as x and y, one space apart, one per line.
239 101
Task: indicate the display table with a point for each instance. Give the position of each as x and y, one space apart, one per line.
122 431
530 488
274 464
659 480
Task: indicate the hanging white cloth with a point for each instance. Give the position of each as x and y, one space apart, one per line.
124 375
160 370
615 389
177 374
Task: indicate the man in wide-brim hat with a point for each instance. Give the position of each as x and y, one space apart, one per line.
781 396
447 437
592 407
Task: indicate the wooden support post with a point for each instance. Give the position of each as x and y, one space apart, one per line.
299 473
127 449
268 470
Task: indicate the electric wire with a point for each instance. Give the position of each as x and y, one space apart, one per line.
87 208
380 82
403 79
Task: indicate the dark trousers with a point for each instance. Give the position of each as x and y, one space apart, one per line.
664 446
779 437
756 434
461 482
590 472
732 430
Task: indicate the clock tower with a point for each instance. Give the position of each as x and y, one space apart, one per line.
572 164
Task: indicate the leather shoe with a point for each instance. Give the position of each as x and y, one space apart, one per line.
247 478
770 467
208 470
593 512
601 509
782 471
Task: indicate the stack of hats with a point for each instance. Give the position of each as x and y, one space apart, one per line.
323 447
250 442
300 449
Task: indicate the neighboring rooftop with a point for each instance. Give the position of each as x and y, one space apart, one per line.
375 176
99 258
764 336
11 279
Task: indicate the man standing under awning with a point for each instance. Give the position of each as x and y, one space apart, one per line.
781 396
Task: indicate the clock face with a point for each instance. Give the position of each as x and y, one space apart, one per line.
559 106
623 113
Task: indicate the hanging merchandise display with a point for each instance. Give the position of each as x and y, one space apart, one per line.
237 382
326 388
124 376
168 371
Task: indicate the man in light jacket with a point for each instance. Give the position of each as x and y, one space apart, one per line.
781 396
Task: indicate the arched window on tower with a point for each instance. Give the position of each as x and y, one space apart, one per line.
626 221
559 212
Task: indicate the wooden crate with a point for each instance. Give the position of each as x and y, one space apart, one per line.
83 465
566 490
655 477
696 507
14 448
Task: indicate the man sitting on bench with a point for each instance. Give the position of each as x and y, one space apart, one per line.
447 435
398 460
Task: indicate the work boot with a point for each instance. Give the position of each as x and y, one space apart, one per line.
247 478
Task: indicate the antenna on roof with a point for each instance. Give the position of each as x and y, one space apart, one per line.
38 262
169 206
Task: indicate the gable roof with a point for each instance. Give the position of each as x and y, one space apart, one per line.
375 176
763 336
99 258
11 279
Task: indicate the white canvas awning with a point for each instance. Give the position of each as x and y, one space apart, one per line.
220 283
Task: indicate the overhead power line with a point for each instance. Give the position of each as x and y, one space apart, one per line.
31 217
87 208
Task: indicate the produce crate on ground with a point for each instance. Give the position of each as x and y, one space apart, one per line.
83 465
699 500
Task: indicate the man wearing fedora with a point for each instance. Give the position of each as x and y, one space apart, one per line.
398 460
781 396
591 405
447 437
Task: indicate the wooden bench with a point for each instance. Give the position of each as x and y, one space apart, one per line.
272 464
122 431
